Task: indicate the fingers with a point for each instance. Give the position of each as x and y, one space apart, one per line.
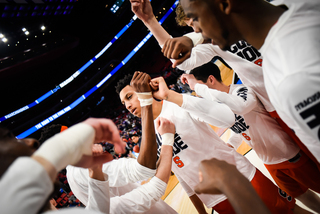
97 149
87 161
106 130
185 56
184 79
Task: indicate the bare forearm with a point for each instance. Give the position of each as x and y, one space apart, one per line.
164 168
157 30
175 97
198 204
239 192
148 150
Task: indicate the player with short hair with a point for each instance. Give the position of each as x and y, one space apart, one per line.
195 140
290 68
293 171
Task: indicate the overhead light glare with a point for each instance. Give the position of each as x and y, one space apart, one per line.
1 35
4 39
24 29
43 27
27 33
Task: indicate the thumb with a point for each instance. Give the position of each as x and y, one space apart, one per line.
199 188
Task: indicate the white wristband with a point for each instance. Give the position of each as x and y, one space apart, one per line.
145 98
68 146
145 102
167 139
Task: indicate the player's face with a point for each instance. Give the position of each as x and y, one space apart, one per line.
130 99
135 139
209 20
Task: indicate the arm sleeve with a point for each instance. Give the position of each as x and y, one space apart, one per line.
25 187
235 140
126 170
214 113
241 101
196 38
99 196
185 186
140 199
200 55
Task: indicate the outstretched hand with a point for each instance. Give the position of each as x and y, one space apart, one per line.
142 9
141 82
178 48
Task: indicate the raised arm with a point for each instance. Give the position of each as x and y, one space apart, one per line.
142 198
148 151
143 10
214 113
72 146
241 101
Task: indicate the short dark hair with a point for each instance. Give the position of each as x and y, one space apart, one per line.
50 131
204 71
123 83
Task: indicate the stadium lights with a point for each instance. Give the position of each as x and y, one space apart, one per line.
43 27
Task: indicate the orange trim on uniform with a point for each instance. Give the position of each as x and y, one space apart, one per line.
297 176
285 128
63 128
276 200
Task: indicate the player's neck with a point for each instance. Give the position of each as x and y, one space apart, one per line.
257 22
156 108
222 87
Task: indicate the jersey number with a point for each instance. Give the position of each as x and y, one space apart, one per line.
246 136
179 162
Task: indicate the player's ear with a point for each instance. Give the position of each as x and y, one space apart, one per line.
225 6
211 79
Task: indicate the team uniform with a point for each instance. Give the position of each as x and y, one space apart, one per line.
291 69
239 57
126 196
195 141
292 170
27 186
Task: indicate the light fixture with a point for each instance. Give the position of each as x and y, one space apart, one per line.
24 29
43 27
4 39
1 35
27 33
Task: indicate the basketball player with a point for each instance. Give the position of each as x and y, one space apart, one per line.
123 173
237 57
290 68
27 181
292 170
195 141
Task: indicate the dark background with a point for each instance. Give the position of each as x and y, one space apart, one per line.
75 32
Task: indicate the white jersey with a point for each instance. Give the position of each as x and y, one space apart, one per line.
254 123
195 141
291 69
122 177
238 58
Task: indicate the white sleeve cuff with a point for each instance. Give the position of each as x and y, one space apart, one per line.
196 38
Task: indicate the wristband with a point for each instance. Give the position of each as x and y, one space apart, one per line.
68 147
167 139
145 98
